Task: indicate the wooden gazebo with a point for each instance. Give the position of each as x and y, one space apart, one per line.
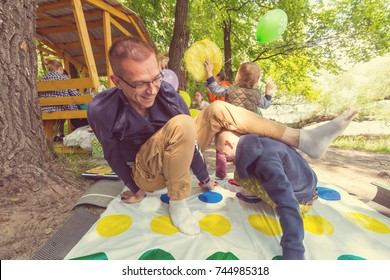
80 32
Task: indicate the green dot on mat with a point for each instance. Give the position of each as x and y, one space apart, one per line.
350 257
156 254
222 256
96 256
277 258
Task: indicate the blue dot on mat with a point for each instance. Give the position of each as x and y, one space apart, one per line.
210 197
164 198
328 194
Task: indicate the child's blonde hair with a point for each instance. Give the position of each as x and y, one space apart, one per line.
249 74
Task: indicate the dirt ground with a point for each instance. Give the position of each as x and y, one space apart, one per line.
30 215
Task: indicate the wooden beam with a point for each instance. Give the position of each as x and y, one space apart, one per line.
64 84
107 44
112 10
70 17
122 15
86 42
96 55
78 44
50 19
67 65
67 28
46 50
64 115
73 45
53 101
138 29
59 52
120 27
53 6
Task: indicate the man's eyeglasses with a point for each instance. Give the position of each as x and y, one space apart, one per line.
144 85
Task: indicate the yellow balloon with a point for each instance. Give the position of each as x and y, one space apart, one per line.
194 112
197 54
186 97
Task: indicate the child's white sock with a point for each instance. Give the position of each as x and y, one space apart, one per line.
182 217
314 142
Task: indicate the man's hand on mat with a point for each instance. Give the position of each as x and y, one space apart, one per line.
208 186
129 197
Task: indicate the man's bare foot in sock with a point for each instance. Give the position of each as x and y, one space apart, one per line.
314 142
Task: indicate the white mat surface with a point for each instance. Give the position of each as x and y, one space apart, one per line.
337 227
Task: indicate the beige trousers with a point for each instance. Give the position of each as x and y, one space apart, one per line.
220 114
164 160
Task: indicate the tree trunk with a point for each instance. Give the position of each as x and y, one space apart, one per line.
23 144
24 148
227 45
179 42
34 192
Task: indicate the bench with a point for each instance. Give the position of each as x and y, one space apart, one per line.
49 119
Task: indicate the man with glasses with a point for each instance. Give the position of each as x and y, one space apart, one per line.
150 140
147 133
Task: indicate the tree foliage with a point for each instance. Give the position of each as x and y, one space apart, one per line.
321 34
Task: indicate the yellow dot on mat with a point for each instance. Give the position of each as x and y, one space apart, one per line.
215 224
113 225
163 225
265 224
317 225
367 222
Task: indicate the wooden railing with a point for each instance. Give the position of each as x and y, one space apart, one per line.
49 119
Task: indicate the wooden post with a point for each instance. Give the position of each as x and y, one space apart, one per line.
107 44
85 42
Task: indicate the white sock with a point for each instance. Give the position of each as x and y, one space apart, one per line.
182 217
314 142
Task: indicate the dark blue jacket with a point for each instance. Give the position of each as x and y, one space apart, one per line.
121 130
287 179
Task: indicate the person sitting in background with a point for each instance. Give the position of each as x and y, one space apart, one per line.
220 78
56 72
277 174
199 102
162 61
244 92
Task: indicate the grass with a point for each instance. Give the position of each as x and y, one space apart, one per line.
380 144
77 163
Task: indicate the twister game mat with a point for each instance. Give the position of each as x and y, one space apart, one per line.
101 172
337 227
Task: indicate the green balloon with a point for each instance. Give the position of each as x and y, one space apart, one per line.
271 26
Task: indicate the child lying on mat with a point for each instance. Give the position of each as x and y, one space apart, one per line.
277 174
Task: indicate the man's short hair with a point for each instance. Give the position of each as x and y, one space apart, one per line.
132 48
